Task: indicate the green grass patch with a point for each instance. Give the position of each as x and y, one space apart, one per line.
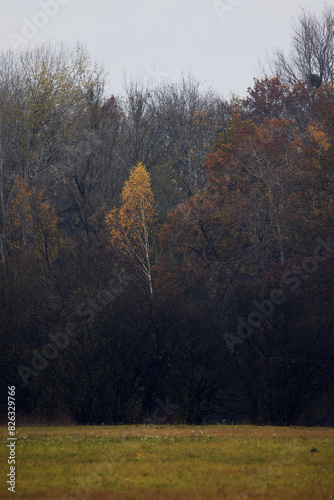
170 462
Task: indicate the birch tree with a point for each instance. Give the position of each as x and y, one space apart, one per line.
131 226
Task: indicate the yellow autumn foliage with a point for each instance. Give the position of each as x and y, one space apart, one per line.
319 137
32 223
131 226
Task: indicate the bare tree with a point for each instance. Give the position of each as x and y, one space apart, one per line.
44 93
312 50
188 120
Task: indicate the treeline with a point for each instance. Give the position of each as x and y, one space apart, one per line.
165 245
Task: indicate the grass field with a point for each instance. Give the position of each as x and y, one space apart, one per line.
170 462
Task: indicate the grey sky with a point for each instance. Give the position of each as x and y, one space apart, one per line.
219 41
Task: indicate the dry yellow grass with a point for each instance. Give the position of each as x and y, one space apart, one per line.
172 462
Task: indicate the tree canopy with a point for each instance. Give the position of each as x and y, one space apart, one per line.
168 243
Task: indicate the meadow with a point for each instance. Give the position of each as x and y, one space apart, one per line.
170 462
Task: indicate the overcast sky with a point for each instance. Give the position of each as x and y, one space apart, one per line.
219 41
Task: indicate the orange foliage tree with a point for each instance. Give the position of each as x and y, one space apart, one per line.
33 225
131 227
236 224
